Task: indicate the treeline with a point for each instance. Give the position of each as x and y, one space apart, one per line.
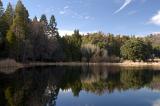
25 39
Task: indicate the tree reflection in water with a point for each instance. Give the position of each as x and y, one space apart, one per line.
39 86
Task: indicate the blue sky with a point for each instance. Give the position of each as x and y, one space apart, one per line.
139 17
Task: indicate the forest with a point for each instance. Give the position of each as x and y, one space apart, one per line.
24 40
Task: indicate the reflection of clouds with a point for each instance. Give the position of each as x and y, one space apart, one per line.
65 91
156 103
50 90
156 90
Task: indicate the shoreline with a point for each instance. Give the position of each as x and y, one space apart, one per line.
124 64
10 66
9 63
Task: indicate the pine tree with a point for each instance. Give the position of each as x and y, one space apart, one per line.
35 19
77 38
9 14
19 31
44 22
1 8
53 27
3 30
6 19
1 18
43 19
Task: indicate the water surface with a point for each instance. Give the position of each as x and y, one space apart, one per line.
80 86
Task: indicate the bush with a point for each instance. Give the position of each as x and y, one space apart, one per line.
136 49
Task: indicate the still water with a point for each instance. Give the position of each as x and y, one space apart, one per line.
80 86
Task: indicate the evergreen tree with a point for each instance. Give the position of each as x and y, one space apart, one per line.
77 38
19 31
1 8
1 18
44 22
72 46
53 27
3 30
43 19
77 42
9 14
35 19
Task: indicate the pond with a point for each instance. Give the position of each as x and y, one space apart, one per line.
80 86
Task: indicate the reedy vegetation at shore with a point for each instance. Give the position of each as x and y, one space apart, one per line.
25 39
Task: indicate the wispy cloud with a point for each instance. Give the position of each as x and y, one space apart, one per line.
82 16
155 19
66 7
64 11
48 10
126 3
67 10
